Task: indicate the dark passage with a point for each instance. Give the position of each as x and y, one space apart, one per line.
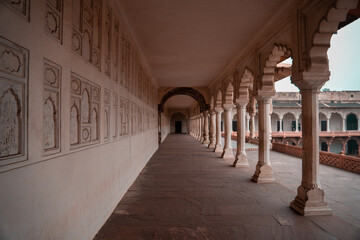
178 127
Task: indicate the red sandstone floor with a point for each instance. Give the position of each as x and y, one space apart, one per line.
187 192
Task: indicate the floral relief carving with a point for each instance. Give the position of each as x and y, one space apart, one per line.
53 19
13 102
20 6
11 61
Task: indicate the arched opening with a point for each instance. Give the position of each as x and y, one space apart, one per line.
178 123
275 122
336 122
234 123
351 122
336 146
323 145
352 147
322 122
185 100
289 122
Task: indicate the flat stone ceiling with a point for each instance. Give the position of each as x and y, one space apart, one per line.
189 42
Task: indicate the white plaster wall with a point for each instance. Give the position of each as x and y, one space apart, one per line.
68 195
165 126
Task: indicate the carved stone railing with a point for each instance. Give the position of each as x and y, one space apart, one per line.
345 162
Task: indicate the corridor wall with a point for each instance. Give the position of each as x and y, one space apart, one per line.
78 113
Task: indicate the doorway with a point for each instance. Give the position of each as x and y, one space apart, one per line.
178 127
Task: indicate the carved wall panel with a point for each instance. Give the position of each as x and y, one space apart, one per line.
132 116
84 112
51 108
20 6
115 115
116 50
106 115
13 102
124 116
107 48
86 35
54 19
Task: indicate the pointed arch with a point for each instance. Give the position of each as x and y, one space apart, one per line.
327 27
218 99
50 124
229 93
246 84
185 91
74 124
277 53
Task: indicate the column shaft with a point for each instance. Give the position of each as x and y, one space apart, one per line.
241 157
206 128
218 147
263 172
227 153
252 125
310 198
212 129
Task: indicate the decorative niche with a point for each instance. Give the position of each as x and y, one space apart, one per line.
14 63
84 112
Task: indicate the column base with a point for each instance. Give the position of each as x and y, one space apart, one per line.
218 149
241 161
263 174
206 140
201 139
310 202
211 145
227 154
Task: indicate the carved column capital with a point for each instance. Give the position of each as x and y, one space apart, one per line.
219 109
310 80
228 106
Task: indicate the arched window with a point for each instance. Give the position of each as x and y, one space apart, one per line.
351 122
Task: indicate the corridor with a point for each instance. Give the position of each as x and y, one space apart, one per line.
188 192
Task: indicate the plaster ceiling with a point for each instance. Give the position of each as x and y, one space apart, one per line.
180 102
188 42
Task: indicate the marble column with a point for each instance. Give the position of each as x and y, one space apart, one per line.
310 196
206 127
344 124
227 152
281 123
327 124
252 125
212 129
241 157
197 128
218 146
247 123
264 172
296 124
201 127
